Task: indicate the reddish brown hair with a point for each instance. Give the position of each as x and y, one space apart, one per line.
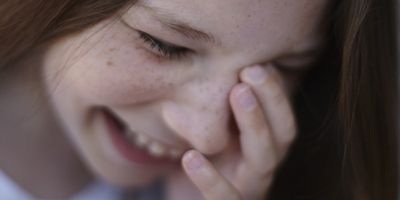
369 95
363 50
26 23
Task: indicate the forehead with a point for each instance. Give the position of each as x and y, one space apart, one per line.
256 26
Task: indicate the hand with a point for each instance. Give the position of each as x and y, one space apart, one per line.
267 128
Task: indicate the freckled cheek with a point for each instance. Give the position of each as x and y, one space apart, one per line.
122 76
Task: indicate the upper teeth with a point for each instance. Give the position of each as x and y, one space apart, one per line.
140 140
153 147
156 149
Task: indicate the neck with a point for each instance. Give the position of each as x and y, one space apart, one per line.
34 151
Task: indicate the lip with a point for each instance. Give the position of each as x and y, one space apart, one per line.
126 149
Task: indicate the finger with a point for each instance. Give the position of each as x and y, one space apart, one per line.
268 87
250 184
259 151
208 180
255 137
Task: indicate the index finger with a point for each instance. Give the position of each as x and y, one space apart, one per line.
208 180
267 85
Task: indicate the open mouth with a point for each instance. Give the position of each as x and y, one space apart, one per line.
138 147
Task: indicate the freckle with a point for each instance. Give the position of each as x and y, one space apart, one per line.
109 63
249 15
112 49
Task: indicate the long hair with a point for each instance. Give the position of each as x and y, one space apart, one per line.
354 155
369 96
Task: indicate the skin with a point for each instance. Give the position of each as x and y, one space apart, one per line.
191 102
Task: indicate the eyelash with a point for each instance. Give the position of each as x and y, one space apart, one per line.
173 52
170 51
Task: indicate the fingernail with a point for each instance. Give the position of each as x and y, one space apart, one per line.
246 99
195 161
256 74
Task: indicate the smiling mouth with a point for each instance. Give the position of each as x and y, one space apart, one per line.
138 147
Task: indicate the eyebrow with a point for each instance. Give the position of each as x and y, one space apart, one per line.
170 21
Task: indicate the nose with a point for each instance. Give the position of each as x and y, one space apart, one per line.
201 115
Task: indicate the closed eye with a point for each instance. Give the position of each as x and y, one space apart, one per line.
165 49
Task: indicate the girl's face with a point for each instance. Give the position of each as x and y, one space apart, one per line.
160 76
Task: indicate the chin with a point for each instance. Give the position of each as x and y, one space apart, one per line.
128 182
